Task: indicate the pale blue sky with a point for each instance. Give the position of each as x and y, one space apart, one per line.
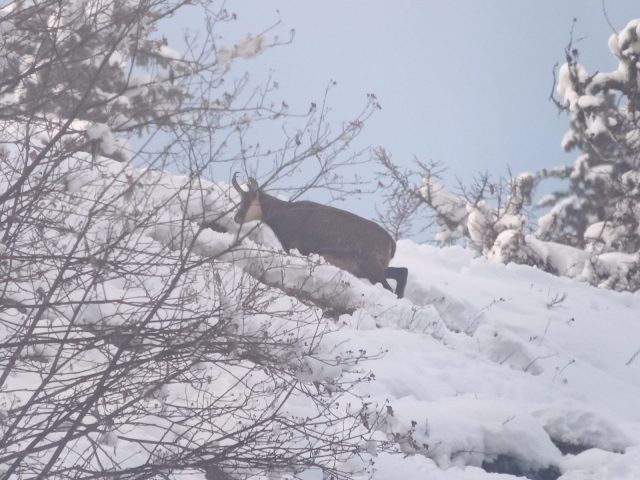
465 83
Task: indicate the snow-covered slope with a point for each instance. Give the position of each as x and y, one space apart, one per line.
486 368
539 362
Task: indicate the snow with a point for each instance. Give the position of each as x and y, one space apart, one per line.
597 464
169 53
506 241
480 362
102 134
563 396
629 38
614 42
590 101
604 232
595 126
547 221
565 87
569 140
564 259
444 202
578 427
249 47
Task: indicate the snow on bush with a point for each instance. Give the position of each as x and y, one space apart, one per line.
591 228
137 342
112 282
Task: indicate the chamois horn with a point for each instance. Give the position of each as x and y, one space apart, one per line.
234 182
252 183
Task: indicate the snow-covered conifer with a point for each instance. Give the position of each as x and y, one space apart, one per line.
598 211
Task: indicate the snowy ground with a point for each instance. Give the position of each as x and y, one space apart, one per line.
487 368
539 360
505 368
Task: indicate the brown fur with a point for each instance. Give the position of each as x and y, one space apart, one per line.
345 240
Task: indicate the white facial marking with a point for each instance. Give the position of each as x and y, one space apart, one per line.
254 212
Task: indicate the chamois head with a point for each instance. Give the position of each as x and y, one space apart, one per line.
249 201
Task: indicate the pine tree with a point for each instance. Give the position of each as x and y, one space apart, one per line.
598 211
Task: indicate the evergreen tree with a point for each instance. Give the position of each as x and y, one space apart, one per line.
591 230
599 209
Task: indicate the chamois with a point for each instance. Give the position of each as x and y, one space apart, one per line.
345 240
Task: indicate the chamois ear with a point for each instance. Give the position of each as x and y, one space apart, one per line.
253 185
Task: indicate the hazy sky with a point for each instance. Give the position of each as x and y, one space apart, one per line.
465 83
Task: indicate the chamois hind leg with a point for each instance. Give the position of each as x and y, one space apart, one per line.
374 273
399 274
386 285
